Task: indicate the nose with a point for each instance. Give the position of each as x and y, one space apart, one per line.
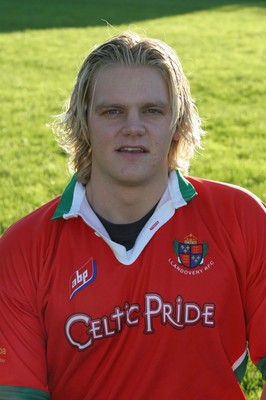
133 124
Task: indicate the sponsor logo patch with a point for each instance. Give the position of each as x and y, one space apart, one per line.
82 277
82 330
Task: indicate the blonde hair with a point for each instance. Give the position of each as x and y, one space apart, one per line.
129 49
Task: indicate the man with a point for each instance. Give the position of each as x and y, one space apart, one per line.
138 283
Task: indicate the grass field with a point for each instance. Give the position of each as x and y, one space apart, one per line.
221 45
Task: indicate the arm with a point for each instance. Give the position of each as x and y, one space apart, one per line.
263 395
255 296
22 362
22 342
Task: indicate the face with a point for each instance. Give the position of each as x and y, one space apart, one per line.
129 126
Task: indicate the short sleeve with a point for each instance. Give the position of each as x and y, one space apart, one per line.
22 342
255 306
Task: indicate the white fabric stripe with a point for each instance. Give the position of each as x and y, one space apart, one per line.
174 190
239 361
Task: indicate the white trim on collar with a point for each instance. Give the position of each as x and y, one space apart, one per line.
171 200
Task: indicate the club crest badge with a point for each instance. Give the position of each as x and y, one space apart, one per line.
190 253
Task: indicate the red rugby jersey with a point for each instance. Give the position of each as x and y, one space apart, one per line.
173 318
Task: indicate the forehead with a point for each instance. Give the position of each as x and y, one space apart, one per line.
117 83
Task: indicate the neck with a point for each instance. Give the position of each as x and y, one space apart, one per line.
125 204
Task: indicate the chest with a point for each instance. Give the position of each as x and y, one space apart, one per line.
189 273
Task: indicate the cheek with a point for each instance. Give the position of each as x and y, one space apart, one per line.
165 141
161 150
95 133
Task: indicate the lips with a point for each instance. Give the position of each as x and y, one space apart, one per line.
132 149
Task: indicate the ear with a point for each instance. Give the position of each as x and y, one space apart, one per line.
175 137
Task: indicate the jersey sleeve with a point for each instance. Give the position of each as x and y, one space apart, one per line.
22 340
255 299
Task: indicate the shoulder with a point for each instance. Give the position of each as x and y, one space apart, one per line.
229 205
232 210
222 193
32 225
25 247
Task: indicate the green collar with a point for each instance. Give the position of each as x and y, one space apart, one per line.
66 200
186 188
69 201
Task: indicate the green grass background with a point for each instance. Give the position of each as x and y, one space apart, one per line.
221 45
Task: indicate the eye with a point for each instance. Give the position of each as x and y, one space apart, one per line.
153 111
113 111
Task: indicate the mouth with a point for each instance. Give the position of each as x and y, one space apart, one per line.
132 149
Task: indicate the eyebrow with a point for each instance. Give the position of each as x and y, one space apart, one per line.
102 106
157 104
